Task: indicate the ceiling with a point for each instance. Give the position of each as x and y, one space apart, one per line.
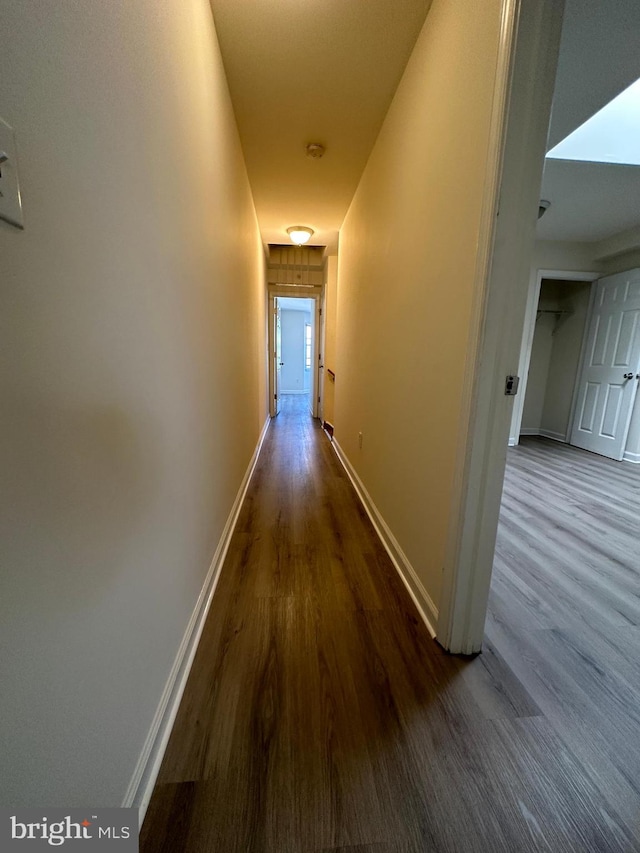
599 57
589 201
314 71
325 71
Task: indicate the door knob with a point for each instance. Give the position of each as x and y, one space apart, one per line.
628 376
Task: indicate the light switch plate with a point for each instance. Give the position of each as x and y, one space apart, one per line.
10 201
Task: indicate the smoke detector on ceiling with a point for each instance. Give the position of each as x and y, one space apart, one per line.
315 150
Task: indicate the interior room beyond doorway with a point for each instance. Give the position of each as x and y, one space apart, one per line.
296 328
555 358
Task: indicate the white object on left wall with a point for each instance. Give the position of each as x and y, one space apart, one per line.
10 200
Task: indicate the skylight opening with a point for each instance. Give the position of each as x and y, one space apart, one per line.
612 135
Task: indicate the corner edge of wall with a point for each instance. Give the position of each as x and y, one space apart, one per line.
424 604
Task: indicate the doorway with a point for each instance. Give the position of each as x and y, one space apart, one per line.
576 330
296 345
554 358
510 245
295 368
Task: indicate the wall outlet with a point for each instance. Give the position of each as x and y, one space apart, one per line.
10 201
360 440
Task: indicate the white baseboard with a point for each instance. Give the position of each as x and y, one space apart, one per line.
148 766
554 436
558 436
545 433
426 608
283 393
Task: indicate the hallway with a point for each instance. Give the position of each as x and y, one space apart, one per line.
136 389
320 715
159 161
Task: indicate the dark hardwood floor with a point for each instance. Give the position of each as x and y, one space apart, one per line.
320 716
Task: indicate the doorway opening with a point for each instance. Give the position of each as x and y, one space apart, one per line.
295 363
573 233
555 356
551 354
295 322
296 278
579 357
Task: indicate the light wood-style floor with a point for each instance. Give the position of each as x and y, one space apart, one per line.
320 716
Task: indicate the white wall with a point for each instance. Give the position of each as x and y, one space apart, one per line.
632 449
133 393
407 263
621 263
561 255
293 378
538 373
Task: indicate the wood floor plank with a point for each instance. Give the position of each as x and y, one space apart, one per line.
551 791
321 716
369 848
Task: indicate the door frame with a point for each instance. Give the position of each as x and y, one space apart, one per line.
315 292
535 283
525 79
275 317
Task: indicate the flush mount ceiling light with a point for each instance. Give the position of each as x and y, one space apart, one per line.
300 234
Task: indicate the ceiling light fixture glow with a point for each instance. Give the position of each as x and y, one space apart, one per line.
300 234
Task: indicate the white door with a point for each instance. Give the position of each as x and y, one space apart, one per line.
611 360
277 357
